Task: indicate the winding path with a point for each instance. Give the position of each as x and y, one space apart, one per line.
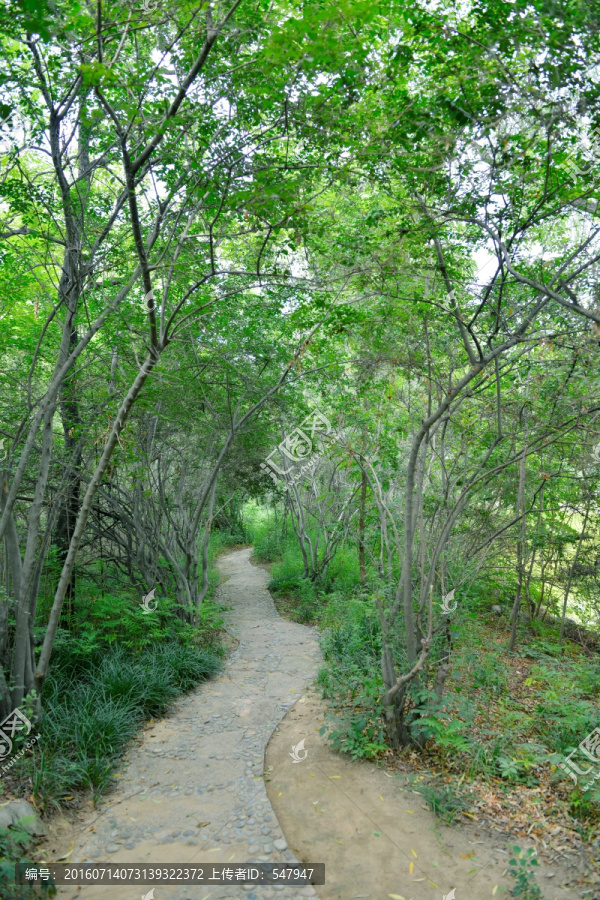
192 790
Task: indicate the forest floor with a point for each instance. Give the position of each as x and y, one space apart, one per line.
214 782
375 834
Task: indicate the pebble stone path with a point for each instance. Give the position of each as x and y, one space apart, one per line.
192 791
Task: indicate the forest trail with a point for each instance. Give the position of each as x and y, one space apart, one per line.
191 788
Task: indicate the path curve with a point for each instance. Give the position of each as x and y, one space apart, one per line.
191 789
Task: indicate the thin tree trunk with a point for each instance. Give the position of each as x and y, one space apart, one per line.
84 512
571 570
207 529
521 540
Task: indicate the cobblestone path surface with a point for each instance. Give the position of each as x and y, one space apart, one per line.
192 789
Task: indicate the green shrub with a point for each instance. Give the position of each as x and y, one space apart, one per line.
522 867
562 722
14 844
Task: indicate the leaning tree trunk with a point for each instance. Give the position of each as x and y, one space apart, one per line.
69 507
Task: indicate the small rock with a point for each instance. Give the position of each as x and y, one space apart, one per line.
23 813
280 844
112 848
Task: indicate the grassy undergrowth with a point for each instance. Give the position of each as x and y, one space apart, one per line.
94 702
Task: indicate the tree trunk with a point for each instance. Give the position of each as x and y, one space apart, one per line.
361 529
521 541
571 570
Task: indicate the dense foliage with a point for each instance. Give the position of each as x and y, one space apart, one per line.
324 276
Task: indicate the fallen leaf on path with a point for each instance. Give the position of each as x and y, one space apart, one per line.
466 855
381 798
335 776
413 853
409 811
202 824
67 855
280 793
411 867
494 889
340 842
396 897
